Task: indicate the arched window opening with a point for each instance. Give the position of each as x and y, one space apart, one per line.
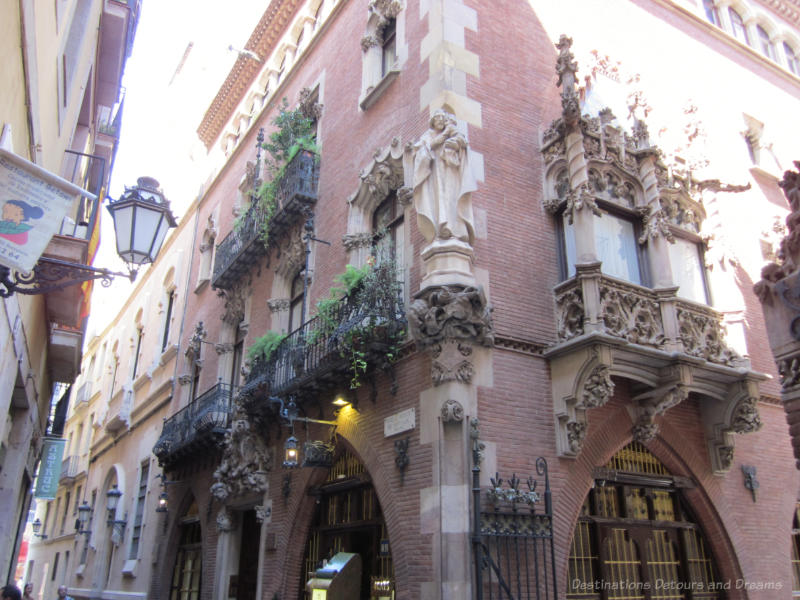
636 533
711 12
764 44
739 31
296 302
388 47
791 59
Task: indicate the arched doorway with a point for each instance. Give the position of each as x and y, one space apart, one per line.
348 518
636 537
185 581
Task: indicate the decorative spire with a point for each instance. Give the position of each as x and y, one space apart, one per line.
566 68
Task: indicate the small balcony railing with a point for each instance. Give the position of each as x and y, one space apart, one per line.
297 189
70 469
195 427
592 302
319 353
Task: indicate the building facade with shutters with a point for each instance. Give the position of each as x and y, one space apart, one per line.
60 109
488 323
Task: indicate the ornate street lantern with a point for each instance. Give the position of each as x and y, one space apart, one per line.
291 454
142 218
84 510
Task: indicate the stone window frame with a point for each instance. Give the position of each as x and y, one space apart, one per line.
375 79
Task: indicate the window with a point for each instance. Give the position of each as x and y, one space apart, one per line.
136 534
616 245
195 379
296 302
55 567
77 501
168 319
711 12
764 44
387 224
138 351
388 47
737 26
636 530
791 59
688 271
236 363
66 513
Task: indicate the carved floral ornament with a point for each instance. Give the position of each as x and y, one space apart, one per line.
452 411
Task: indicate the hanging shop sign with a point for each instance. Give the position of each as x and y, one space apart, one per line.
49 468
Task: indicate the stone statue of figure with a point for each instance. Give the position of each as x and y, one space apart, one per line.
443 182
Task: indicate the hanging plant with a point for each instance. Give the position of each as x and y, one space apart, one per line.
264 346
295 132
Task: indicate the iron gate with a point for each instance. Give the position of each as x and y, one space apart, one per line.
513 535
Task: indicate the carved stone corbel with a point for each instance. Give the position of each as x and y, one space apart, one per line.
655 404
246 461
277 305
452 412
353 241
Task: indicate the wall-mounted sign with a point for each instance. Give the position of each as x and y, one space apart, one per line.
33 204
399 422
49 468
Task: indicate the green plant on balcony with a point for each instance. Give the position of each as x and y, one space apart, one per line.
373 291
264 346
295 132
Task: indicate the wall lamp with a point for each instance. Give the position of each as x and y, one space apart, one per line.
84 514
37 527
142 217
112 501
163 497
317 453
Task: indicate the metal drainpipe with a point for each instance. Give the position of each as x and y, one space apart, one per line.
25 69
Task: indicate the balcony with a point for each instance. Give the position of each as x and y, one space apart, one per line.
242 247
71 468
195 428
369 323
668 349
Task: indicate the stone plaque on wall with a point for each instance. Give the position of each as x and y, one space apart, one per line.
399 422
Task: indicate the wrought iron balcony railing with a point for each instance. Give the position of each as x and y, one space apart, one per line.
321 351
194 428
297 190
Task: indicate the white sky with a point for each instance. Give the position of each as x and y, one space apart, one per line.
162 111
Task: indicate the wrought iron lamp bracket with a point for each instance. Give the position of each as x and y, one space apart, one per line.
52 274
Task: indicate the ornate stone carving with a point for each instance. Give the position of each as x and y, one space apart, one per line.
401 455
307 102
631 316
353 241
580 199
245 461
681 210
789 371
453 313
576 434
195 341
370 41
443 182
554 151
449 362
235 299
292 256
701 336
263 513
452 412
405 195
725 457
566 69
386 9
644 432
223 348
598 388
478 447
185 379
655 225
224 520
277 305
570 311
745 417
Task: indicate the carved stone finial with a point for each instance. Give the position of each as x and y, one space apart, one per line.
452 412
566 67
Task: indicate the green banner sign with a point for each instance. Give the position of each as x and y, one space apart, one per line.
50 468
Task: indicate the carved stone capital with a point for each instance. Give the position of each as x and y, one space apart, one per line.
452 411
451 313
223 348
387 9
581 199
405 195
224 520
277 305
369 41
353 241
185 379
644 432
656 225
